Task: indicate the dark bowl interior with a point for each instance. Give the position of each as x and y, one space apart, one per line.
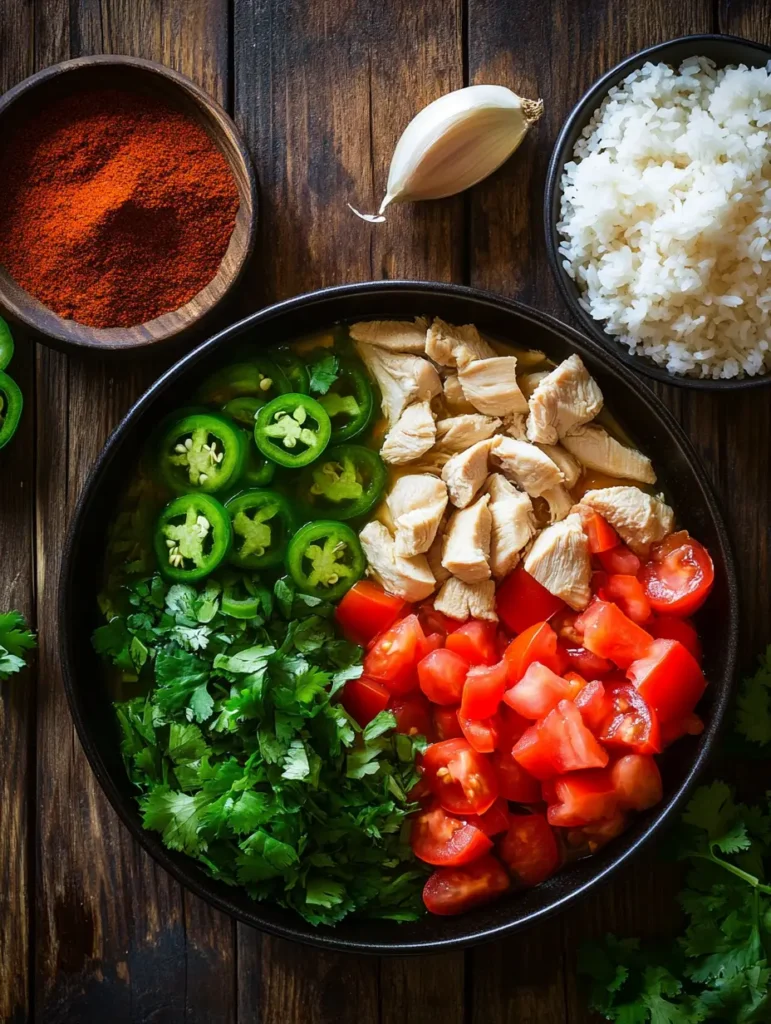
640 413
723 50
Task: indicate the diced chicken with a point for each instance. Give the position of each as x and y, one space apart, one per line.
457 433
432 462
564 461
595 448
639 518
515 425
394 335
491 385
465 472
402 378
466 549
528 382
416 503
513 523
459 600
564 399
411 436
434 555
560 503
456 346
454 398
559 560
526 465
409 578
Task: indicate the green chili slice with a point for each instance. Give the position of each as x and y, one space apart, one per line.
258 471
347 481
243 597
294 368
262 525
11 404
202 451
192 537
244 410
6 344
350 402
260 377
292 430
325 559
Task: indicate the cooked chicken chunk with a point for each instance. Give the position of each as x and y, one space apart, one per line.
459 600
402 378
409 578
639 518
454 398
457 433
432 462
491 385
528 382
456 346
465 472
515 425
434 555
416 503
564 399
559 560
466 549
564 461
595 448
526 465
559 501
513 523
411 436
394 335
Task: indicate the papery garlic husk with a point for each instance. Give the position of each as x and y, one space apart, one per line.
455 142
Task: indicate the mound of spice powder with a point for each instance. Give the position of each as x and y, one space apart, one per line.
115 207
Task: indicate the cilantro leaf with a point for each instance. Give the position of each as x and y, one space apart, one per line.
324 373
15 639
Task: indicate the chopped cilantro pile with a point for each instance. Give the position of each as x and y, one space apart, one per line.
244 760
15 640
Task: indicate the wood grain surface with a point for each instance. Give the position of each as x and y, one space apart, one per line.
90 929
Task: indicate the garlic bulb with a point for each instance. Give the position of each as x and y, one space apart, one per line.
455 142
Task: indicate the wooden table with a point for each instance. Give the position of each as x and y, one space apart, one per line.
90 929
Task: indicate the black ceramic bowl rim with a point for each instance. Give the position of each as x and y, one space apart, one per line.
563 150
530 906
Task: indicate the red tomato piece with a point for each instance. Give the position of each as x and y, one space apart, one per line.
529 849
593 704
521 601
394 656
564 625
559 743
367 610
581 797
597 833
456 890
575 682
514 783
679 575
599 532
537 692
510 726
669 679
413 716
620 561
669 627
475 642
482 733
587 664
494 821
441 675
433 621
637 782
446 724
462 779
483 690
691 725
438 838
630 722
364 698
538 643
610 634
628 593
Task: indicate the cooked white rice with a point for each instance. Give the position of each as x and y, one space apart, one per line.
666 211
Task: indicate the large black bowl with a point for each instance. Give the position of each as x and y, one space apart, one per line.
639 411
723 50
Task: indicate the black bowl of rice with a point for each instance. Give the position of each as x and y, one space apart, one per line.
658 212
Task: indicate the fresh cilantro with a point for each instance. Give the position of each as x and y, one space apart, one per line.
324 372
15 639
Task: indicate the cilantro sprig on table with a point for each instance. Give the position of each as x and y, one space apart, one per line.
243 758
719 969
15 640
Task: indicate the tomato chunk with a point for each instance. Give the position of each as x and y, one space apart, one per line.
599 532
364 698
529 849
679 575
446 723
537 692
483 690
538 643
521 601
514 783
587 664
475 642
669 627
413 716
440 839
691 725
494 821
441 675
628 593
630 723
367 610
461 779
609 633
394 656
637 782
433 621
559 743
593 704
582 797
620 561
481 733
456 890
669 679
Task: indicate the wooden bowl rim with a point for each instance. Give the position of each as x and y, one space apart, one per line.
61 333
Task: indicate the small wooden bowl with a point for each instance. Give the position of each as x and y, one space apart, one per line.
106 71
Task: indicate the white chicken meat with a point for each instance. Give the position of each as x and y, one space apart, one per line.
459 600
410 578
394 335
526 465
466 549
456 346
465 472
640 519
413 434
417 503
491 385
402 378
564 399
559 559
513 523
593 446
457 433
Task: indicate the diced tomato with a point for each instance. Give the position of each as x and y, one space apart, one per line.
514 783
537 692
576 683
438 838
668 627
521 601
529 849
587 664
462 779
433 642
559 743
628 593
475 642
609 633
637 782
564 625
364 698
367 610
599 584
537 643
394 656
691 725
581 797
441 675
669 678
446 724
679 575
592 704
630 723
433 621
481 733
483 690
456 890
619 561
599 532
510 726
494 821
413 716
597 833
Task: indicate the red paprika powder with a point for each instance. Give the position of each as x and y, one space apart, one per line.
114 207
